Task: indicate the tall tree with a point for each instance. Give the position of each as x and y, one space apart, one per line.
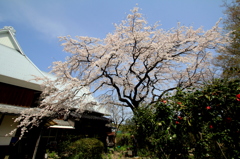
137 63
229 58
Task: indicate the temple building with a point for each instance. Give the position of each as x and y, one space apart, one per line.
18 92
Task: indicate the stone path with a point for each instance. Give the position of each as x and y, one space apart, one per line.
121 155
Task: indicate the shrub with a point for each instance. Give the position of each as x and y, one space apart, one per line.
86 148
123 139
52 155
63 147
202 122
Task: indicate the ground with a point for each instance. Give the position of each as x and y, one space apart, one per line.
120 155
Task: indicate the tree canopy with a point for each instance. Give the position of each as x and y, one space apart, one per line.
229 58
138 62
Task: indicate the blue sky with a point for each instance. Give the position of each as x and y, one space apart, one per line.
39 23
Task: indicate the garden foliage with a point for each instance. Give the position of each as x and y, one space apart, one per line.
86 148
201 123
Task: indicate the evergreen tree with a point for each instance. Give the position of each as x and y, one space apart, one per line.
229 58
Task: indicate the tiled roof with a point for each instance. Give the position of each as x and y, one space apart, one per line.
92 116
17 67
10 109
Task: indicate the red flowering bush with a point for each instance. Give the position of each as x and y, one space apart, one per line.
164 101
208 107
238 97
179 117
206 123
210 126
212 118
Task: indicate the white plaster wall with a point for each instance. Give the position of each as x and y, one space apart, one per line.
6 127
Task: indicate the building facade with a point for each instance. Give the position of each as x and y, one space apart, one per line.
18 92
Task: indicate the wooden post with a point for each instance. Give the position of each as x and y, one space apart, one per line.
37 143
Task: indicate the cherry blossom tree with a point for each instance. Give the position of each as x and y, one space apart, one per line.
137 63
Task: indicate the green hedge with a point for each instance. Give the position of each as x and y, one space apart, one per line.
86 148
